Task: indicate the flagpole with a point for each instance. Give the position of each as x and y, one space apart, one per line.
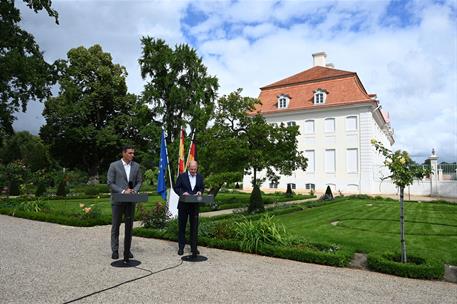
168 160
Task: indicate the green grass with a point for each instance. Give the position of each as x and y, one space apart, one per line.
234 200
371 225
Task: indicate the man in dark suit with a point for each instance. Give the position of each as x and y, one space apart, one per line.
124 176
189 183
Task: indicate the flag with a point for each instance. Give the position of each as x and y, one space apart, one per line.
181 168
163 163
192 153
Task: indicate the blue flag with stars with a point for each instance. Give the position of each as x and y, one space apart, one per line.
163 163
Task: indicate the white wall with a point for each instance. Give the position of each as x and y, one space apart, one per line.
340 140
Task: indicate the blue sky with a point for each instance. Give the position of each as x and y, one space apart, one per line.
404 51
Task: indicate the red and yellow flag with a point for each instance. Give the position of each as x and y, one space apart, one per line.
192 153
181 167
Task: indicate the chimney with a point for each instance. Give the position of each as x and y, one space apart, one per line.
319 59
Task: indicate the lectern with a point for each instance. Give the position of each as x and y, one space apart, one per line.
129 198
199 199
196 199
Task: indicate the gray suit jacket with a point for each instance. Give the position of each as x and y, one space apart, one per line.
117 179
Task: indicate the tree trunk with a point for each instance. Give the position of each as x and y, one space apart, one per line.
402 227
254 181
215 190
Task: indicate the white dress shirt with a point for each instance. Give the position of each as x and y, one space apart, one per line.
193 181
127 169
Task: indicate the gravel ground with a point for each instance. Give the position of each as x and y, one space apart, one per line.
49 263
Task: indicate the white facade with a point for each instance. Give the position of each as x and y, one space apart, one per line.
336 142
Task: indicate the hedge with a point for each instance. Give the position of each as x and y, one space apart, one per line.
340 259
417 267
63 219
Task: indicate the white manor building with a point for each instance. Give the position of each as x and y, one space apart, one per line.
337 119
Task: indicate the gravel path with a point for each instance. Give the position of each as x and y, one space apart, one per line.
49 263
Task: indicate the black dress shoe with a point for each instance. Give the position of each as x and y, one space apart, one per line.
115 255
180 251
130 255
196 252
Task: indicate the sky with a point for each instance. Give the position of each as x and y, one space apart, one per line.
404 51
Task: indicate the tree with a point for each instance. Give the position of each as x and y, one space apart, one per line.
93 115
179 90
24 74
403 171
246 142
27 148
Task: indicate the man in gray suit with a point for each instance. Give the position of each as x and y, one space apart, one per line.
124 176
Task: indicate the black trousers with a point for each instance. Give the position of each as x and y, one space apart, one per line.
191 212
128 210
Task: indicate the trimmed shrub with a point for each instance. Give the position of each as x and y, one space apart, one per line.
13 187
62 188
255 201
41 189
416 267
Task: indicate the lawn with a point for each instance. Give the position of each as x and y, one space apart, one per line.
68 211
367 225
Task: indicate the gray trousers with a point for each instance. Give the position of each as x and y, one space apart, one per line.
128 210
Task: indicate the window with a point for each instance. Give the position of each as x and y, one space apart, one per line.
273 185
320 95
283 101
330 161
351 123
352 161
292 185
309 154
329 125
309 126
291 123
310 186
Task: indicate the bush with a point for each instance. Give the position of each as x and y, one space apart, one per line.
255 201
157 217
216 229
41 189
416 267
62 188
91 211
252 234
13 187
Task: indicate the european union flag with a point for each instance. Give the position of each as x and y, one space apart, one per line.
163 163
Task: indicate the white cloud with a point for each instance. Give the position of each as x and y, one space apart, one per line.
407 57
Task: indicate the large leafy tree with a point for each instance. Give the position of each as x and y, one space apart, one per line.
93 115
241 140
178 89
27 148
24 74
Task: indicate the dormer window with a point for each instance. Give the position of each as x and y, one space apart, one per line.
320 95
283 101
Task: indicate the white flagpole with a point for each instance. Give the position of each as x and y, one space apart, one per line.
172 201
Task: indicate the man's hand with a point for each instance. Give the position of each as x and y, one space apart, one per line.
186 193
128 191
199 193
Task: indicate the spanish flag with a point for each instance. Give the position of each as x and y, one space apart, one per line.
181 167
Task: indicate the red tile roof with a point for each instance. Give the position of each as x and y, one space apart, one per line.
343 87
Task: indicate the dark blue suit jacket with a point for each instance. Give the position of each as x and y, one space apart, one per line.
183 185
